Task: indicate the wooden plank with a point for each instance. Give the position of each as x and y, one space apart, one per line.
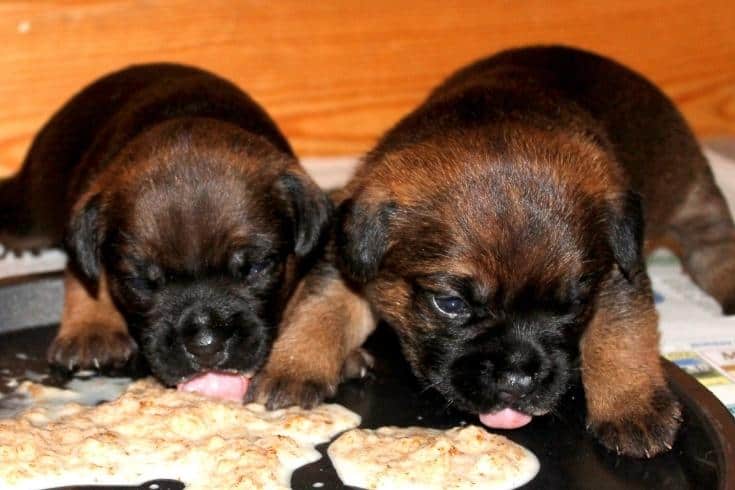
335 74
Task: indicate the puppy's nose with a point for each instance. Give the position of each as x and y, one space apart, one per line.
204 335
513 386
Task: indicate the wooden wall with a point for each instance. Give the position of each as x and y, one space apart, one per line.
335 74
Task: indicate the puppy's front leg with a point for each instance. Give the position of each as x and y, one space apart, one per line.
630 408
93 333
318 345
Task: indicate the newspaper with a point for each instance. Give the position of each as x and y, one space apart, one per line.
694 334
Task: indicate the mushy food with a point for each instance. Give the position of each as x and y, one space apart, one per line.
420 458
150 432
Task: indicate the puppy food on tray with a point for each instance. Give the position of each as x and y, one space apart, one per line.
150 432
392 458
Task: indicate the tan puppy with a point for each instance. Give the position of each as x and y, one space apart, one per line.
499 229
187 218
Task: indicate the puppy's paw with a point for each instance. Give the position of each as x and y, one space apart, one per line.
644 431
278 390
91 348
357 365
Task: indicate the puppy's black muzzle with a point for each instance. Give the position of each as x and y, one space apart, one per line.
513 369
204 332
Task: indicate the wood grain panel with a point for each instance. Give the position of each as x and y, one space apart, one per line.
335 74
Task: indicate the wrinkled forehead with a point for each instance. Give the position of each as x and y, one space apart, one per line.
504 232
509 162
189 225
185 193
496 254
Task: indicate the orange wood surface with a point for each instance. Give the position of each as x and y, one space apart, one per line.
335 74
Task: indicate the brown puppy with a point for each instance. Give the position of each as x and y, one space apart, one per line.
499 228
188 222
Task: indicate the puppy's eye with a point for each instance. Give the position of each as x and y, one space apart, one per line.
138 283
154 275
451 306
259 267
580 292
149 279
243 268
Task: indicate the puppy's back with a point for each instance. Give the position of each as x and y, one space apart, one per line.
82 136
573 91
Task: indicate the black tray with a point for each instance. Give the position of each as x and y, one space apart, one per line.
702 458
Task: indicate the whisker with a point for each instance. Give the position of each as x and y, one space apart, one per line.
449 404
428 387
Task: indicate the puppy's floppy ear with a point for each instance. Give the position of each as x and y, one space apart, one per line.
308 208
84 237
624 217
362 237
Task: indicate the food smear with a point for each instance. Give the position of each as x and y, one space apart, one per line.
150 432
414 458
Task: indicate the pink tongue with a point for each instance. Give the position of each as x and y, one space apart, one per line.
505 419
218 385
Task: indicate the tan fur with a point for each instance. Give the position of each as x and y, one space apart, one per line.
621 342
621 368
319 335
92 331
397 176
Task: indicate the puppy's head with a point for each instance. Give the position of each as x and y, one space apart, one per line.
200 228
486 259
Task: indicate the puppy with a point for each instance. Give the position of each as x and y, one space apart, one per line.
499 229
187 220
